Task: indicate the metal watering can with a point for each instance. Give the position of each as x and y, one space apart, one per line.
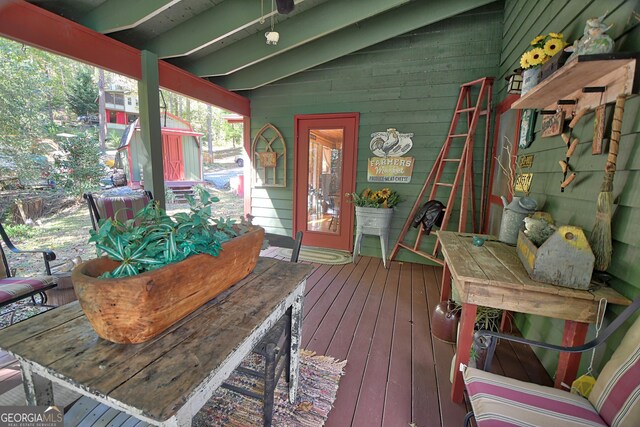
512 216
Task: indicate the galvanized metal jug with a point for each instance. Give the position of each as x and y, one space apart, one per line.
512 216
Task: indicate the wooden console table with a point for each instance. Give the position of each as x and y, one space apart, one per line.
166 380
493 276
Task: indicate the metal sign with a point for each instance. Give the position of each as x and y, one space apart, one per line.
391 169
390 143
523 182
525 161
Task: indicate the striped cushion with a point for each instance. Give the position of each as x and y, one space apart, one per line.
499 401
121 208
12 288
616 393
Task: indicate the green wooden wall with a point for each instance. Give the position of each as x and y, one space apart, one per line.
523 20
410 83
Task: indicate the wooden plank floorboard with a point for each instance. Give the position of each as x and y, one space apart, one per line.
370 403
347 397
425 406
317 312
397 402
321 337
345 331
312 297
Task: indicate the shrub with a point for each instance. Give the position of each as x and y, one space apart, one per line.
78 168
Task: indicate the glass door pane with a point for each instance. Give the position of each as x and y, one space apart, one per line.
325 180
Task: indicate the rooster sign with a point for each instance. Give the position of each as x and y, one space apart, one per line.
390 143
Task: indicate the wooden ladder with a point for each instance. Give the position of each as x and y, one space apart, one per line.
464 170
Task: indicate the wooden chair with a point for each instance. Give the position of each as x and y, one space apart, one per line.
122 207
281 241
13 288
614 400
274 346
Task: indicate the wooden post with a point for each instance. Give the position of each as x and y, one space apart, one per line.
463 350
150 126
574 335
445 286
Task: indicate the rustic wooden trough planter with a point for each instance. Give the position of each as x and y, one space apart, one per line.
137 308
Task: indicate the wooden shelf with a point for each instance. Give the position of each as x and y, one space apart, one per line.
616 73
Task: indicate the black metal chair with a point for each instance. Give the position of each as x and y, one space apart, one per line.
13 289
612 401
274 347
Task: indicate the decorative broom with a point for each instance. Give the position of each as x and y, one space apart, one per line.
601 234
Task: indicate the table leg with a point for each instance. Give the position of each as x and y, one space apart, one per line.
568 364
465 340
384 243
38 390
294 348
357 245
445 286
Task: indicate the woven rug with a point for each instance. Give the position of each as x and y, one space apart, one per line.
317 388
319 255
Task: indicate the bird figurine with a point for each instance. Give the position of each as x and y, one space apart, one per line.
538 230
593 41
390 143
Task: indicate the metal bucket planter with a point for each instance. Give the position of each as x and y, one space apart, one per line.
376 222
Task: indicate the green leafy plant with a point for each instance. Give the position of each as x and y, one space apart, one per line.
153 239
384 198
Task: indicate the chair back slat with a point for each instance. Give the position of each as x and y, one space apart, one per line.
616 393
287 242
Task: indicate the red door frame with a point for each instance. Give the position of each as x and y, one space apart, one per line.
350 123
504 106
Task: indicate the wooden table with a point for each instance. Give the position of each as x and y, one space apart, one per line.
166 380
493 276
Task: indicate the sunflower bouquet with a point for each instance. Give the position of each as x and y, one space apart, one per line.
384 198
542 49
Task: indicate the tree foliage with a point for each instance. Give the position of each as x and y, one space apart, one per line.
82 93
78 166
32 100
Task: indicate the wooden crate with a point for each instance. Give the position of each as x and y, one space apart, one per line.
564 259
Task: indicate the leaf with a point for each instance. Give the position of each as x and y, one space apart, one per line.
112 253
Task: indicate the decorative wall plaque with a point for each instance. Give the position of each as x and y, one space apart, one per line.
390 143
552 124
525 162
523 182
527 123
269 154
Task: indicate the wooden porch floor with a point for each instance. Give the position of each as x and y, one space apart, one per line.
378 320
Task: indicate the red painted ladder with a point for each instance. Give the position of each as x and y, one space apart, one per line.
464 170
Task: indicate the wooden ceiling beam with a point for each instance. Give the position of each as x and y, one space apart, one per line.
118 15
375 30
307 26
34 26
209 27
